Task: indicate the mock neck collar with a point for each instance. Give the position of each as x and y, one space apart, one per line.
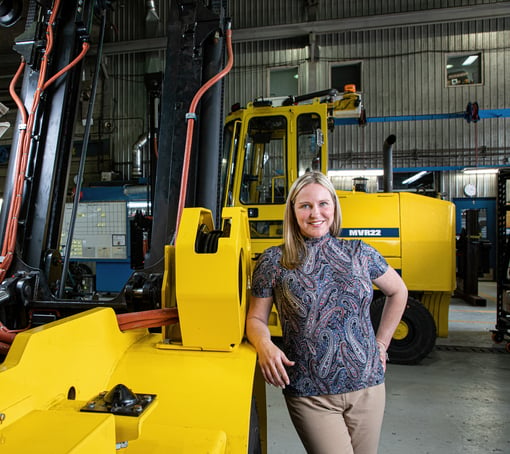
315 241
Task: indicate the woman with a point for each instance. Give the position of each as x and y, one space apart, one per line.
331 364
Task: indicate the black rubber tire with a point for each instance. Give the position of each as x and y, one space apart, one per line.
421 336
497 338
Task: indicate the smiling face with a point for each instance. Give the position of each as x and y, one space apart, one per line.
314 210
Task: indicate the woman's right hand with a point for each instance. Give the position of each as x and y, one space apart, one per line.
273 363
272 360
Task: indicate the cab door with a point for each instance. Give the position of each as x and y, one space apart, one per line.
274 147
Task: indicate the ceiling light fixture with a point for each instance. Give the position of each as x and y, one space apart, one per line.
4 126
468 61
479 171
136 204
415 177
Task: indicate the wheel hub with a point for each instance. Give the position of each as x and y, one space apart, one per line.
402 331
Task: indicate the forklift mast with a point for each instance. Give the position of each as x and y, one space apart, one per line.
194 54
58 37
50 142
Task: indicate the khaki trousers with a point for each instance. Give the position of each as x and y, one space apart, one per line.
339 424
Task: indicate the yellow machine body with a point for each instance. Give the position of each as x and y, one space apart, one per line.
225 274
203 394
416 235
404 227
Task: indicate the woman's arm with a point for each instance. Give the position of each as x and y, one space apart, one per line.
272 360
393 287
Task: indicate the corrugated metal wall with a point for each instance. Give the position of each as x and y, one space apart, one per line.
120 114
403 73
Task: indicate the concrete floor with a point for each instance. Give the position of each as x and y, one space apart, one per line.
456 401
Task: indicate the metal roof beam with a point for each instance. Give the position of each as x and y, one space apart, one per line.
432 16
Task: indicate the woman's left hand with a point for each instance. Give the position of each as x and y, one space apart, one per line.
383 354
392 285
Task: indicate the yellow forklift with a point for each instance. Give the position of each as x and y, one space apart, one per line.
273 141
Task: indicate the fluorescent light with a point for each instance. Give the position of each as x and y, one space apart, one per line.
469 60
479 171
356 173
415 177
4 126
134 204
3 109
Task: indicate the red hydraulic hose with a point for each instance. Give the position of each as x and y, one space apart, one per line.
7 338
6 335
4 348
148 319
15 97
191 123
84 50
23 148
22 153
7 248
169 316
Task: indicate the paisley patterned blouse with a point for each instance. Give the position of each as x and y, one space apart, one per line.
324 309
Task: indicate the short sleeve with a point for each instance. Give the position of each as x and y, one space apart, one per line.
263 277
377 264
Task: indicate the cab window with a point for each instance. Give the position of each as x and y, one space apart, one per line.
229 161
309 142
264 166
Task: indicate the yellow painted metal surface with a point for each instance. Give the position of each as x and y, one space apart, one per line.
422 239
203 398
438 304
428 243
290 113
368 215
402 331
202 404
212 288
420 245
56 432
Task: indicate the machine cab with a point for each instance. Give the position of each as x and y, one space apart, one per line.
266 147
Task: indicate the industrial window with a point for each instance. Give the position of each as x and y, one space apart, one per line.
346 74
229 161
264 168
309 142
463 69
283 82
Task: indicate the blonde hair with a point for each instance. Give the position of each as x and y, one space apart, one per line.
294 248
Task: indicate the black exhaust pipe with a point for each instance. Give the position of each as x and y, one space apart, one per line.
388 163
